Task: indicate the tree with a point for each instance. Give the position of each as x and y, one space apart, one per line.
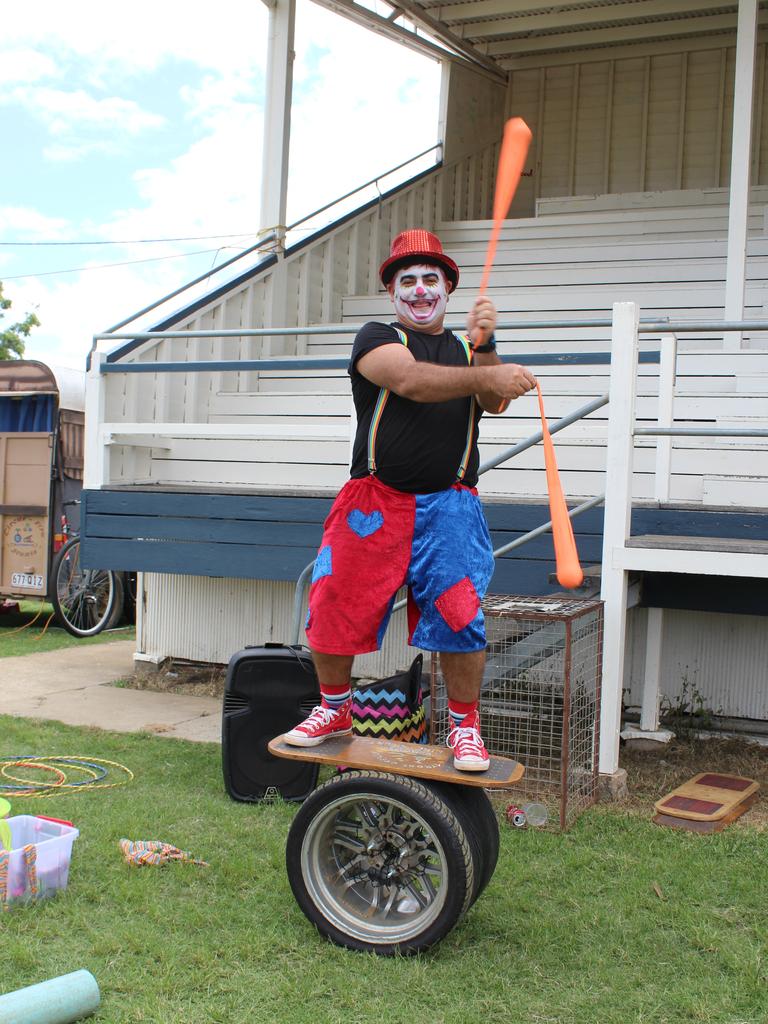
12 337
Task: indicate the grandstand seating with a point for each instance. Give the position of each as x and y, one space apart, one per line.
571 262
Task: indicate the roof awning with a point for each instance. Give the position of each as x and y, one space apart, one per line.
501 35
20 377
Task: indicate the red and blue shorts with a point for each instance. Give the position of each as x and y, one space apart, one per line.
376 540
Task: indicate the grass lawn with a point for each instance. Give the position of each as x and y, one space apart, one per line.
618 921
25 632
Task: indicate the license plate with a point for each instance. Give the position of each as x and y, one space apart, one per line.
26 579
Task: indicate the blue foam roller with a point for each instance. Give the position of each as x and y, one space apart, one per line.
57 1001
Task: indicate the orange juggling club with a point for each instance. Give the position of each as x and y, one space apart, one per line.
567 565
514 149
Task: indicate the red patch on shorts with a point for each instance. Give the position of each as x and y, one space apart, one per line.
414 615
459 604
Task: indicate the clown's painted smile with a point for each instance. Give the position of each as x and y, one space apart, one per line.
420 295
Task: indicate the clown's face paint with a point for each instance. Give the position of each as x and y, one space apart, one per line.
420 297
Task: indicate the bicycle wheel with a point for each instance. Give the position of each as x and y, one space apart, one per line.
129 590
85 601
379 862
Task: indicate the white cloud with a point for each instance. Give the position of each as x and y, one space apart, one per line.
25 65
132 39
63 153
213 98
31 224
64 112
212 188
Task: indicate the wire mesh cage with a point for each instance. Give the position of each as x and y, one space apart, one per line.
540 699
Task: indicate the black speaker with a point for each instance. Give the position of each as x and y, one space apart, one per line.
268 690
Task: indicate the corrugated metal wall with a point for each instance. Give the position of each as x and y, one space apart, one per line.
634 124
200 618
722 658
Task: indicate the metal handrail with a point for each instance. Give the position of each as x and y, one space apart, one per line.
373 181
659 326
298 599
529 442
342 362
546 527
185 287
688 326
699 432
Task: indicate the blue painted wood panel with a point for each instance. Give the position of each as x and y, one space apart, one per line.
247 536
203 505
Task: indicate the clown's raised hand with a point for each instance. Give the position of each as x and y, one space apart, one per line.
481 320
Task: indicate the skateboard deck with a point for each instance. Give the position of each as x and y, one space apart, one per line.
707 802
420 760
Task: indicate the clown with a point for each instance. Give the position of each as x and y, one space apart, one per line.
409 514
420 297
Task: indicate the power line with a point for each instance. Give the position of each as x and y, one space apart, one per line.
106 266
136 241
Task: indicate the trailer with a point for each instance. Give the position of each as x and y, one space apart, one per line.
42 427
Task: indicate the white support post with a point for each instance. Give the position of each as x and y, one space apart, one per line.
618 509
277 136
96 454
738 203
667 371
649 710
277 118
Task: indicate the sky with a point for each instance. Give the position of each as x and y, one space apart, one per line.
144 122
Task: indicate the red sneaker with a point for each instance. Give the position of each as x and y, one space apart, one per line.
469 753
322 723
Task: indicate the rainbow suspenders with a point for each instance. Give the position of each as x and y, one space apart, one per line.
381 401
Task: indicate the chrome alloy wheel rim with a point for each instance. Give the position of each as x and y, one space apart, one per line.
375 868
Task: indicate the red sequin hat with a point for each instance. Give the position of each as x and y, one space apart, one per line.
414 246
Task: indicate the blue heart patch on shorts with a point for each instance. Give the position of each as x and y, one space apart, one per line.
323 564
364 525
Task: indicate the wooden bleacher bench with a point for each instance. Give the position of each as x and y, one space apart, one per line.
724 544
727 556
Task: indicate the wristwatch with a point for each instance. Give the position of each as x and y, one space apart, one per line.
489 346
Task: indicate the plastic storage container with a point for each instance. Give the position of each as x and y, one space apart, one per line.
38 861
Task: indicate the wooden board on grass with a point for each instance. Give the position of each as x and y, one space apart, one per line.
420 760
707 802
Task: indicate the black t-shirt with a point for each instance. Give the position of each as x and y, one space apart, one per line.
419 445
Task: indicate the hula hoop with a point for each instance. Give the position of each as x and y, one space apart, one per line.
33 783
95 771
96 768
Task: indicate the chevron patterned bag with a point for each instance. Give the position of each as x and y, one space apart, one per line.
392 708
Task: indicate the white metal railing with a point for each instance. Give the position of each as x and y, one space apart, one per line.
376 183
135 433
617 558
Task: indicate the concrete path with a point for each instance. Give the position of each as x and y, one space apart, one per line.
72 686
